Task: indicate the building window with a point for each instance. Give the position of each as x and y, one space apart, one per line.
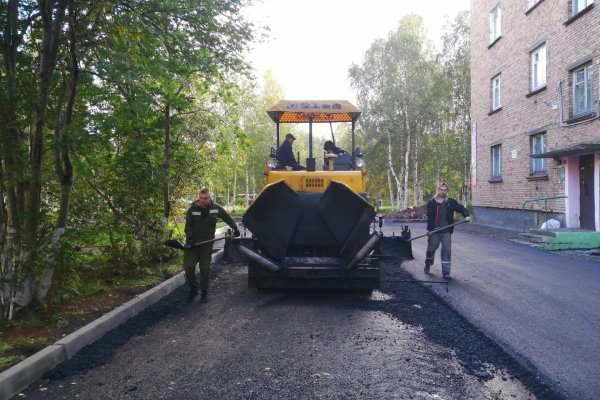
497 161
538 146
582 90
495 24
579 5
496 93
538 68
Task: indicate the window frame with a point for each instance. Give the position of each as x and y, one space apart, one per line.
497 88
538 166
535 70
496 161
495 23
588 89
575 9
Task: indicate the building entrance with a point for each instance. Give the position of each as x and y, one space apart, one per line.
587 215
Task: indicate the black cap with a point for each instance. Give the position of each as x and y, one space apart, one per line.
289 136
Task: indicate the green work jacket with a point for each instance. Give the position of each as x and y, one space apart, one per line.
200 223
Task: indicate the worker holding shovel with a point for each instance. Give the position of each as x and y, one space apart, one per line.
200 224
440 225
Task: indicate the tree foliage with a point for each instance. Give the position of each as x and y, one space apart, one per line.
415 105
99 102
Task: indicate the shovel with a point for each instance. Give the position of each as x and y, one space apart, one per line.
176 244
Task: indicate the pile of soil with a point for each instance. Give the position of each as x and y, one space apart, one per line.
419 212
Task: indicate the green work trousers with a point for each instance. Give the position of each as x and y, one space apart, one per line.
200 255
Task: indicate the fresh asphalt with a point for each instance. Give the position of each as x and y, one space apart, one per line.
543 307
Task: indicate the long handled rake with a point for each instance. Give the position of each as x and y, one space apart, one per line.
462 221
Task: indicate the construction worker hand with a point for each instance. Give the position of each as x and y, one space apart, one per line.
236 232
428 233
187 246
468 219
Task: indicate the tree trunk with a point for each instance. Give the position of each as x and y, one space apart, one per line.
235 177
62 160
392 171
49 48
167 166
391 190
13 149
416 191
253 188
247 187
2 215
51 32
406 172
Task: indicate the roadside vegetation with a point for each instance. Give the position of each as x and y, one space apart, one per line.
101 279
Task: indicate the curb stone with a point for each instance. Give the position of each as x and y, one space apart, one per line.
19 376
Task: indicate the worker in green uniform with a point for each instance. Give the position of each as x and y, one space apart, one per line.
200 223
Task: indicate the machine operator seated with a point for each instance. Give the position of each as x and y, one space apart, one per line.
336 158
285 155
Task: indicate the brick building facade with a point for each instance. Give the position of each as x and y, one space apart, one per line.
535 109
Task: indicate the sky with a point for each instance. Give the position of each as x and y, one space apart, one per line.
313 43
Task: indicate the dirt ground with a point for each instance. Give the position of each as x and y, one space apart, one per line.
400 342
41 326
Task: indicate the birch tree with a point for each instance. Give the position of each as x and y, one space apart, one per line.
394 85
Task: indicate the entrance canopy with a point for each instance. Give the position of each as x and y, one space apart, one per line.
582 148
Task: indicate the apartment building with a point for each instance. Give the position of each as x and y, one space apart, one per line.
535 110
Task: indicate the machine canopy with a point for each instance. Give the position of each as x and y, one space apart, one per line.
306 111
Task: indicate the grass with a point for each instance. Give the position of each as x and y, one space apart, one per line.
386 210
7 361
16 350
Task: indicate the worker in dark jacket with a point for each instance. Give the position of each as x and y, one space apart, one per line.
440 213
331 148
200 224
285 154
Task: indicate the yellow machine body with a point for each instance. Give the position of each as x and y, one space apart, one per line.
318 181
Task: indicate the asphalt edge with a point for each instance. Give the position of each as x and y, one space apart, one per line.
23 374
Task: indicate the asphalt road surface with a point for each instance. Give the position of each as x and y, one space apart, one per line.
542 307
400 342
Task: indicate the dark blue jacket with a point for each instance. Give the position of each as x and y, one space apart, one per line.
433 211
285 155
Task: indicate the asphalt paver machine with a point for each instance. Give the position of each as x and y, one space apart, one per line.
311 228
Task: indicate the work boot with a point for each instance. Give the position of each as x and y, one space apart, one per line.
193 293
426 269
203 296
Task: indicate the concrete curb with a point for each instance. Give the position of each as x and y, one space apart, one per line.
18 377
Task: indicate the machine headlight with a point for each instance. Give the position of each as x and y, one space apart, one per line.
271 163
359 162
